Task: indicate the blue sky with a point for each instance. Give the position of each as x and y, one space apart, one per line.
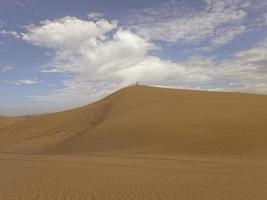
56 55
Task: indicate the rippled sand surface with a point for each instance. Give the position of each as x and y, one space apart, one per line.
140 143
31 177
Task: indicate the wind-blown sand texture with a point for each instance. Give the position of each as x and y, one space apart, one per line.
140 143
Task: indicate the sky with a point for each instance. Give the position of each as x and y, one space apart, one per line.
58 54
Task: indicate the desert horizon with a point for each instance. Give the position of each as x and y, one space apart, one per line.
133 100
140 142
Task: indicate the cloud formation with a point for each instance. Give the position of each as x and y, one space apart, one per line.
95 15
5 68
68 32
226 34
23 82
5 33
218 21
103 56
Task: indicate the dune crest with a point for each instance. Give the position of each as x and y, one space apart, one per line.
141 143
151 120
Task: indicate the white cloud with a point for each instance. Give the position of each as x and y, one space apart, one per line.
68 32
87 49
23 82
20 4
106 57
84 87
5 68
27 81
245 72
225 35
255 57
95 15
94 59
5 33
23 3
51 71
192 26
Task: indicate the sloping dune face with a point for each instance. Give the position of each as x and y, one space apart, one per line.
42 132
150 120
141 143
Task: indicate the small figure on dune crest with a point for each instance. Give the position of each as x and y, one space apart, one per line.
136 83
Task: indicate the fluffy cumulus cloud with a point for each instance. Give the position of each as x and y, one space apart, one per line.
193 26
103 56
68 32
93 51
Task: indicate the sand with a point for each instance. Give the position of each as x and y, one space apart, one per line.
141 143
121 177
7 121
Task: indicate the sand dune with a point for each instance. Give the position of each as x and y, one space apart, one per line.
142 119
140 143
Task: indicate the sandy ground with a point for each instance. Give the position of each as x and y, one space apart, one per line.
30 177
140 143
7 121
